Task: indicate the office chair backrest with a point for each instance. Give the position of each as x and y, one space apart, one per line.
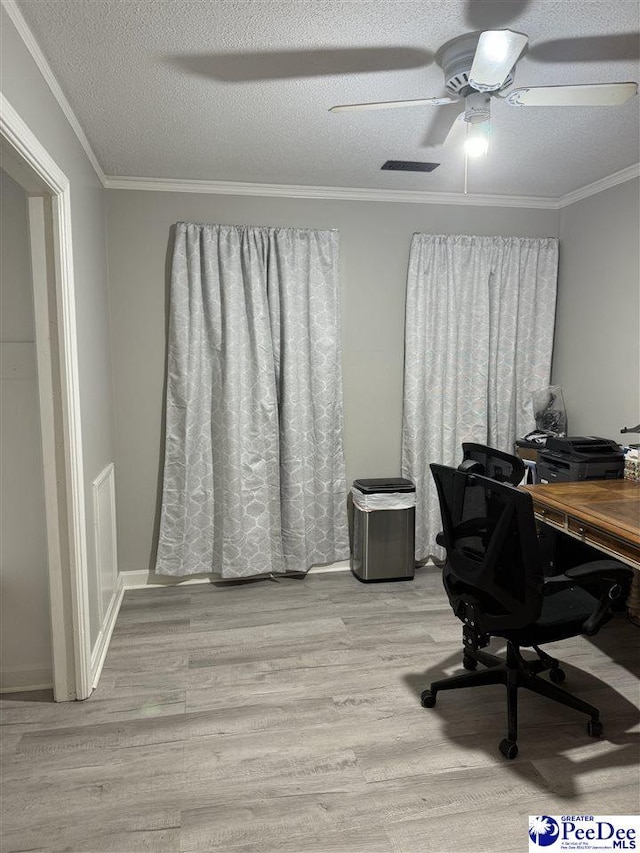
493 567
496 464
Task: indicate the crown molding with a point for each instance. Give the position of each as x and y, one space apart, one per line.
596 187
33 47
334 193
170 185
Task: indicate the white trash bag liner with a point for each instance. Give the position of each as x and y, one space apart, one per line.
382 500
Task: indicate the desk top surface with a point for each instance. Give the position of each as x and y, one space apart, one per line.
611 504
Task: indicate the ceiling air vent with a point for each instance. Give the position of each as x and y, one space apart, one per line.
409 166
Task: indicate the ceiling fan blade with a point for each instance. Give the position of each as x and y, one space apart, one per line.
587 95
387 105
438 124
495 56
457 133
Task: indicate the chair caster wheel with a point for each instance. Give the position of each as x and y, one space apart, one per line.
594 727
557 675
468 662
508 748
427 699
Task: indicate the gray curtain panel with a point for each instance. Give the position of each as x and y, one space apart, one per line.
254 478
480 317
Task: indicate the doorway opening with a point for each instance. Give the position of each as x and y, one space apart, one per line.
29 165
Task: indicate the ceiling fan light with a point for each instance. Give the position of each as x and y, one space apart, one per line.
476 144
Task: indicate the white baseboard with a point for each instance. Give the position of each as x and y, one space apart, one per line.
18 679
143 578
101 647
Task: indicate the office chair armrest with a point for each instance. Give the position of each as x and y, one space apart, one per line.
603 573
612 578
601 570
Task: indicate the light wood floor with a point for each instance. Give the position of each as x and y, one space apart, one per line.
285 716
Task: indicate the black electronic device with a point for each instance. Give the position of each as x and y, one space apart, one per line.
580 458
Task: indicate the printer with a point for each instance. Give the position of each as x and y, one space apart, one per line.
580 458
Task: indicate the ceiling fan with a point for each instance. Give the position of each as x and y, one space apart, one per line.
480 66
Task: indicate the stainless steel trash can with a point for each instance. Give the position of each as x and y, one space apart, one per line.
383 540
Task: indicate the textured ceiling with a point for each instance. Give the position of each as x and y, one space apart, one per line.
239 91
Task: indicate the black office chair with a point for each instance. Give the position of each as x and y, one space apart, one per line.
500 466
494 578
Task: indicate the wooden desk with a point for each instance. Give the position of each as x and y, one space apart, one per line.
602 513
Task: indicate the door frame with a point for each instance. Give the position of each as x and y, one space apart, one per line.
59 392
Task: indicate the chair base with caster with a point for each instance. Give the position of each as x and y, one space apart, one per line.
514 673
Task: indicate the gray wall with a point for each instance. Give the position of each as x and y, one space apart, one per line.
374 251
26 90
25 625
597 341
